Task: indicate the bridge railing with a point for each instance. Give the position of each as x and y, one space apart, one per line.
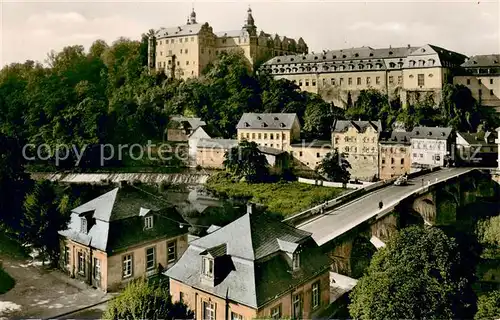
300 217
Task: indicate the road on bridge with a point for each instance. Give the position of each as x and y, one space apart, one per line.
334 223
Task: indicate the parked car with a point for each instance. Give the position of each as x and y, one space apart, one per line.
401 181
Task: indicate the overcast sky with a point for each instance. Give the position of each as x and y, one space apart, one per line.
31 29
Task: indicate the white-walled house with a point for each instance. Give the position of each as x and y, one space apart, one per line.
202 132
430 146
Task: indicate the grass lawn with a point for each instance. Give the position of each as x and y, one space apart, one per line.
11 248
6 281
284 198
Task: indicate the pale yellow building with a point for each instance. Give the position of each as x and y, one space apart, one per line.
395 154
358 141
186 50
310 153
274 130
410 73
481 74
122 235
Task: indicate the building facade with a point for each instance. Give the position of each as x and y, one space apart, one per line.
481 74
478 149
431 146
274 130
409 73
122 235
395 154
358 141
186 50
310 154
247 270
179 128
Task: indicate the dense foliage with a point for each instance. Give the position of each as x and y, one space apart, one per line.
246 161
420 274
488 231
488 306
335 167
141 300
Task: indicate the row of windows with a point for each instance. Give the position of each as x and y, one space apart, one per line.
364 149
480 92
354 139
318 154
169 62
150 253
422 63
393 149
430 146
392 161
260 135
167 41
480 81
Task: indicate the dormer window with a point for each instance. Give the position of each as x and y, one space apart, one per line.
148 222
296 261
208 267
83 225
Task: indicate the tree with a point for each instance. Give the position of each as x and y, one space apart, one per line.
46 212
459 109
141 300
488 231
246 160
335 167
14 182
488 306
418 275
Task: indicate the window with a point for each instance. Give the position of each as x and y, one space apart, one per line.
150 259
235 316
341 81
317 154
97 269
148 222
192 39
480 92
248 135
383 161
421 79
127 266
358 81
81 263
83 225
185 50
392 160
208 310
66 255
300 153
368 81
181 51
181 296
478 81
315 295
253 135
169 52
400 79
402 161
265 135
414 155
491 81
307 82
296 261
208 267
332 81
276 312
297 306
180 40
491 93
468 81
172 251
161 53
349 81
259 136
377 80
300 83
313 83
187 63
271 136
283 136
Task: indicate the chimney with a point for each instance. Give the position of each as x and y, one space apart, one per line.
409 46
249 208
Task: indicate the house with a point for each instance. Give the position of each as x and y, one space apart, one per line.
395 154
123 234
310 153
202 132
254 267
179 128
430 146
275 130
211 154
476 148
358 141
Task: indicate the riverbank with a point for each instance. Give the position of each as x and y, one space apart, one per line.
283 198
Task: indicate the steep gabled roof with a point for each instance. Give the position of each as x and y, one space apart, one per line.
484 60
438 133
281 121
360 126
395 137
182 30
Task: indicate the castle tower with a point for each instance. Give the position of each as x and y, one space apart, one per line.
250 23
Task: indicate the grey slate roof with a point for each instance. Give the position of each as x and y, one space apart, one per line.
438 133
395 137
217 143
484 138
281 121
271 151
257 245
314 144
119 220
232 33
217 251
183 30
485 60
361 126
193 122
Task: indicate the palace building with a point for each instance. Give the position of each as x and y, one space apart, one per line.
410 73
184 51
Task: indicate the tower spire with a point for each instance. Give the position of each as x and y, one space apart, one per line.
192 15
